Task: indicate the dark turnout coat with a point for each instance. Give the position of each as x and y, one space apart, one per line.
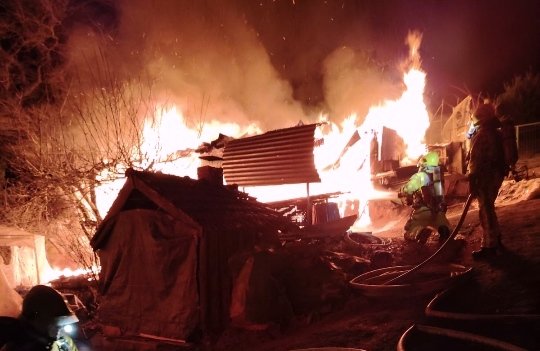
487 169
18 335
487 151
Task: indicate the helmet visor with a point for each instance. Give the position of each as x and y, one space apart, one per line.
65 320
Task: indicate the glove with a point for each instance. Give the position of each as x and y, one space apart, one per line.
443 207
406 199
471 131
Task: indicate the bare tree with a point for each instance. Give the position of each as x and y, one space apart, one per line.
72 148
60 141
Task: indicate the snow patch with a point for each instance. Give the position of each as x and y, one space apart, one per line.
512 191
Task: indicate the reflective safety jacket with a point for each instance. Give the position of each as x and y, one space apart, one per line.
426 189
17 335
487 151
64 343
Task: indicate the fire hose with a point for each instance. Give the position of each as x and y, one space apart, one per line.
450 237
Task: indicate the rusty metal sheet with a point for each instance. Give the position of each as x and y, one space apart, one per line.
283 156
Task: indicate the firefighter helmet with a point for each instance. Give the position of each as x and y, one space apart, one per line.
430 159
47 304
483 113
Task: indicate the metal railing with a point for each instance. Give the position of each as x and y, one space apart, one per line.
528 139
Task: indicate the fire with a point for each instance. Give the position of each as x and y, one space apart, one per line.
351 173
343 160
408 116
51 273
167 145
169 142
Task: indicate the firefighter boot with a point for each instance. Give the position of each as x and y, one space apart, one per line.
444 233
423 236
485 253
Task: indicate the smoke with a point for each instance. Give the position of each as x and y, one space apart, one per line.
199 55
354 82
238 62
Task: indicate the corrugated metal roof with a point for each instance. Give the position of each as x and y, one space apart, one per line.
283 156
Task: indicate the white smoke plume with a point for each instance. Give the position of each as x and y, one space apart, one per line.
354 82
201 56
215 61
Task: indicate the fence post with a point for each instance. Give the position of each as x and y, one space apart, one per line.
528 143
517 137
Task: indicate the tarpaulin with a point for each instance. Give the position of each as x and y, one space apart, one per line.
148 279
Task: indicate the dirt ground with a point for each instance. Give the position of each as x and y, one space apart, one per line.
508 284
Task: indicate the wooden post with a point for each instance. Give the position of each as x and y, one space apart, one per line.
36 257
308 207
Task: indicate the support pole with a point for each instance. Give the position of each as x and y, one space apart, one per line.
308 207
36 257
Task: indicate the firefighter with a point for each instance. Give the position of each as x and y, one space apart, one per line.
486 171
44 314
424 193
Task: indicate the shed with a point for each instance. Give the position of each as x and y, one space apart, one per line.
164 248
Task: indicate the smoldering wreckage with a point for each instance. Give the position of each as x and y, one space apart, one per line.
184 260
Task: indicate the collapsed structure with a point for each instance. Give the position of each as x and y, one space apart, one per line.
167 243
177 254
165 246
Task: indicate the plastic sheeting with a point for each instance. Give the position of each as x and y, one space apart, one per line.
148 277
10 301
27 263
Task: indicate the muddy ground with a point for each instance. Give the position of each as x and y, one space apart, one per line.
509 284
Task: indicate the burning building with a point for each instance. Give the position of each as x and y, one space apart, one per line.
164 248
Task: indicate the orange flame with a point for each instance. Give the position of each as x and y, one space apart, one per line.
167 146
53 273
167 133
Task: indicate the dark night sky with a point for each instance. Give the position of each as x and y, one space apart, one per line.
256 60
477 45
473 45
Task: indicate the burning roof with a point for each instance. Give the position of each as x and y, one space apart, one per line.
198 202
